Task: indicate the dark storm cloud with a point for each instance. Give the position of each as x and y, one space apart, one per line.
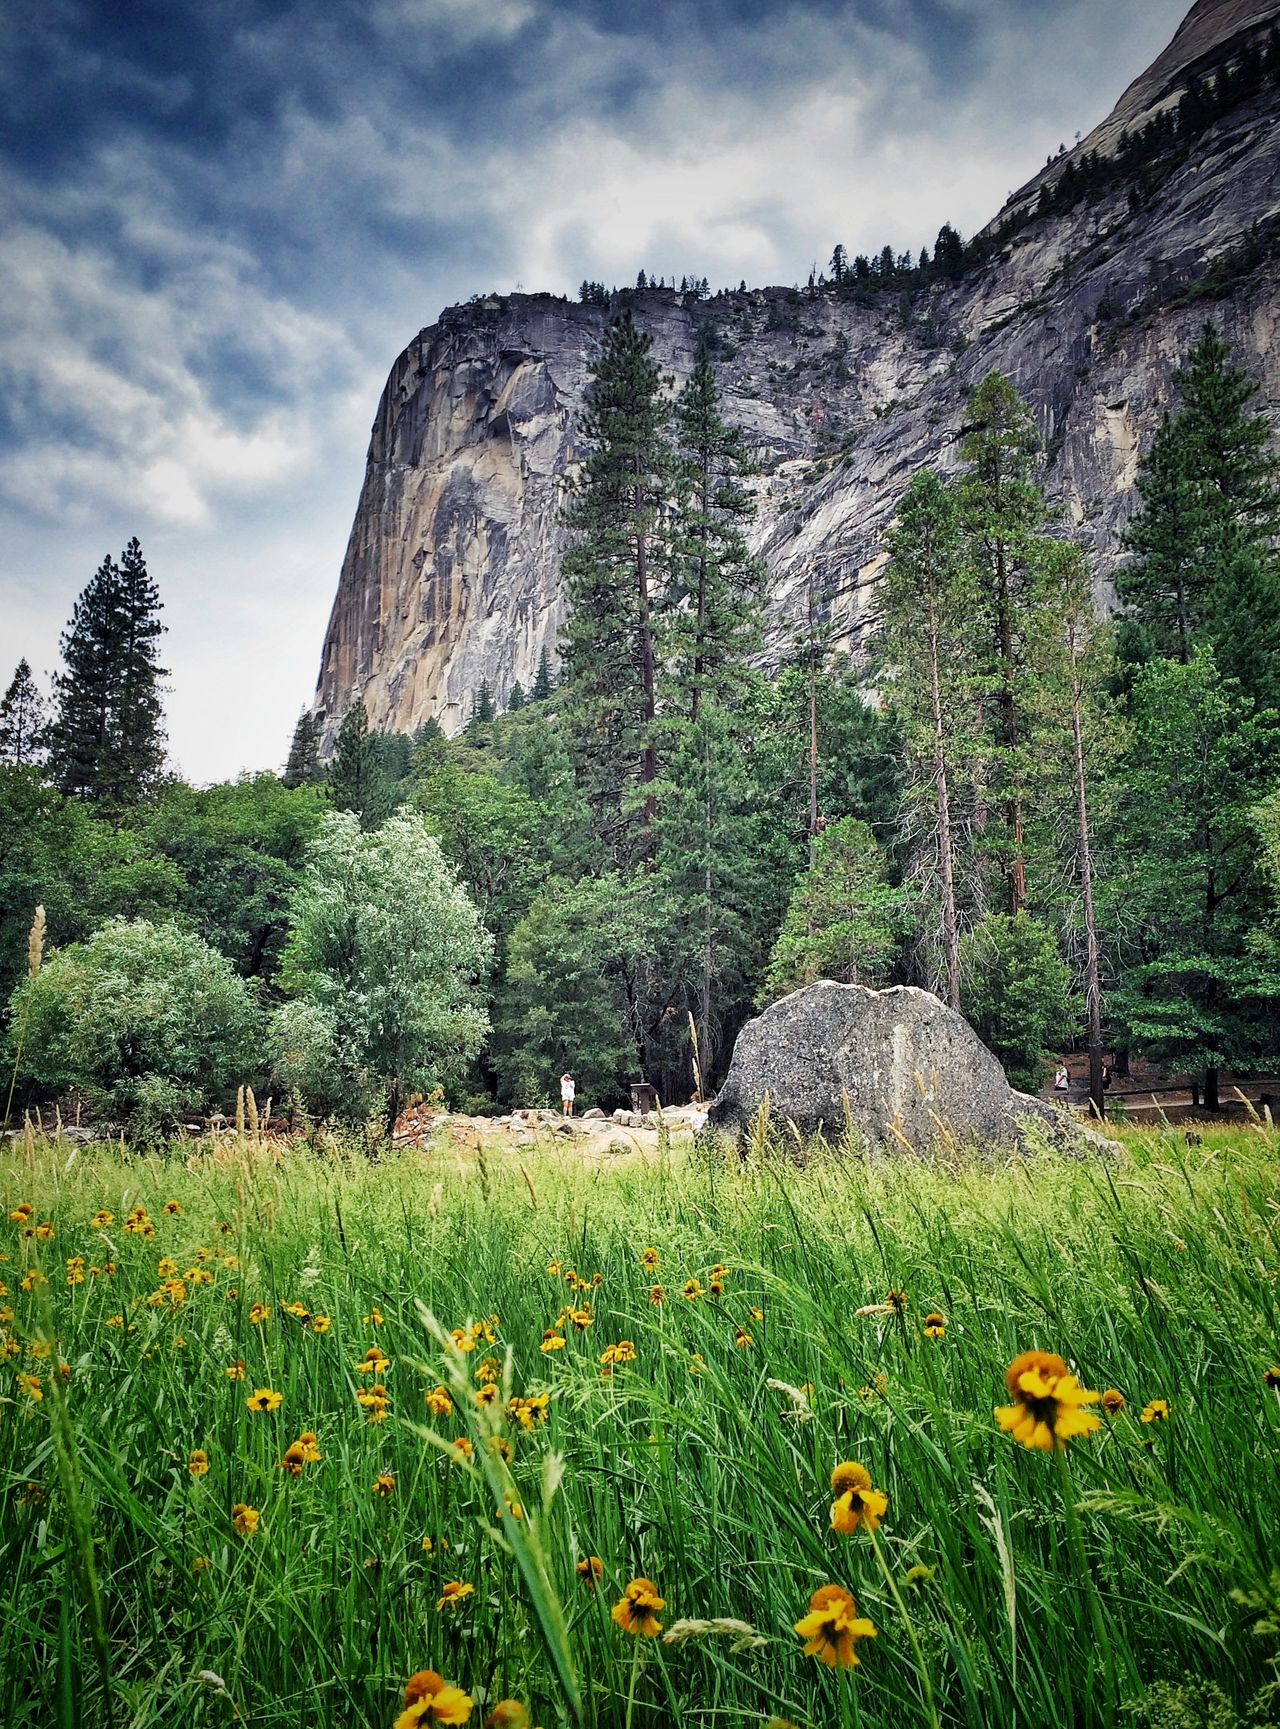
220 221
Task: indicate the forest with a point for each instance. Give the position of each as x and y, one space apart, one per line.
1065 823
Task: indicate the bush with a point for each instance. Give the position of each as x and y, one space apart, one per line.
1017 993
146 1020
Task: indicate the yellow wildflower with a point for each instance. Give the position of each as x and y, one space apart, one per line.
833 1627
636 1610
439 1404
262 1399
1046 1413
428 1699
453 1593
198 1462
1156 1412
245 1518
856 1502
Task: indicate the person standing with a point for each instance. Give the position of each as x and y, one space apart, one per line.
567 1091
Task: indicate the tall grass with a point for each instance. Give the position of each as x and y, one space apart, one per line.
1009 1588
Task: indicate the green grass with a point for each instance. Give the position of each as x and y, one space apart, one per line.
1062 1590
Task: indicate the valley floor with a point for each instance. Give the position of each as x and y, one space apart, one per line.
250 1470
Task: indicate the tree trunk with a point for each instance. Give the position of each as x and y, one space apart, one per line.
1211 1100
1009 735
946 853
648 680
1092 974
700 644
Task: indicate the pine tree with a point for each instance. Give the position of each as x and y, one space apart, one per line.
140 719
515 701
106 741
303 766
543 683
719 585
1002 512
1207 570
357 782
483 707
614 571
931 682
22 720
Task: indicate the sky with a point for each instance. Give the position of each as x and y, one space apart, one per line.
221 221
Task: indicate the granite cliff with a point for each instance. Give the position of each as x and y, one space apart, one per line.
451 572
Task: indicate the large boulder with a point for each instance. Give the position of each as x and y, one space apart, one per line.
899 1065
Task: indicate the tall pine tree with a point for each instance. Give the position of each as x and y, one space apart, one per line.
303 765
718 584
543 683
106 741
22 720
614 573
357 781
1003 513
1207 570
933 686
140 724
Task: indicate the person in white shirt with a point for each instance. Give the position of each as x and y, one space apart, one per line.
567 1091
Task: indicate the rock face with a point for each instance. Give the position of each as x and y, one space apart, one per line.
452 571
898 1065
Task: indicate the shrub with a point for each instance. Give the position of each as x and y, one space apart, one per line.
146 1020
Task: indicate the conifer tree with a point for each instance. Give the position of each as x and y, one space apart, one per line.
614 571
106 742
543 683
22 720
1003 512
718 584
303 765
140 724
357 782
483 707
932 684
1206 570
515 700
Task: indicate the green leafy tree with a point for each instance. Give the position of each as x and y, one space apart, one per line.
146 1020
22 720
845 921
237 851
1017 992
387 943
106 743
616 567
491 832
1206 569
1188 894
571 980
303 765
57 854
357 780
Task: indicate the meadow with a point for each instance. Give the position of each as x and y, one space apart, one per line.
282 1430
